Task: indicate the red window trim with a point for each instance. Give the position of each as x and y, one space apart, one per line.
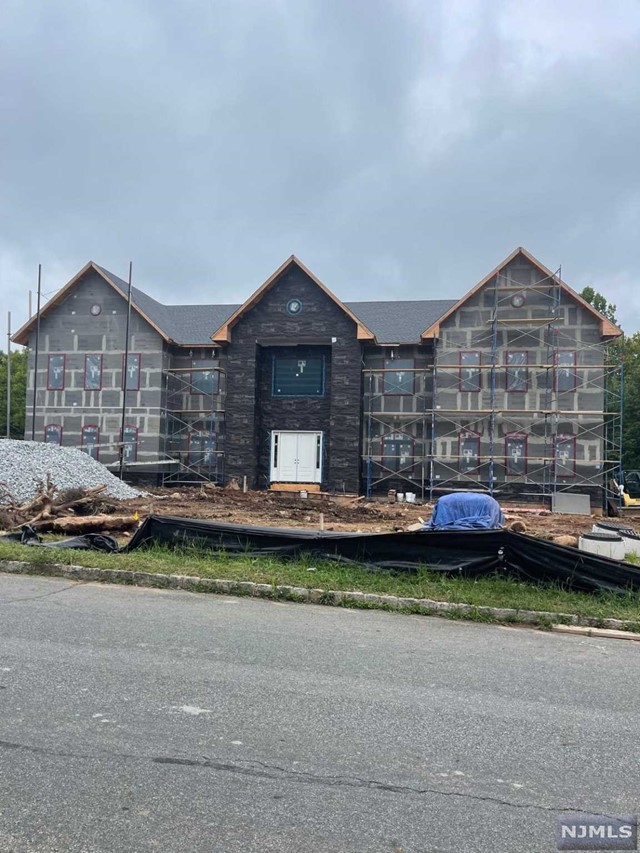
411 438
390 370
468 433
64 369
558 367
563 437
190 435
507 458
86 355
511 366
462 367
58 427
135 444
124 374
97 444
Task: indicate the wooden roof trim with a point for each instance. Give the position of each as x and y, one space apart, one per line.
434 329
607 328
21 336
223 333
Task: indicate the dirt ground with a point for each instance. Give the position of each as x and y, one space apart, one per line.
276 509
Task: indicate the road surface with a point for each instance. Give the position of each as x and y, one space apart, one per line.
140 720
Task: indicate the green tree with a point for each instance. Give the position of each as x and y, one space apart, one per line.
600 303
18 392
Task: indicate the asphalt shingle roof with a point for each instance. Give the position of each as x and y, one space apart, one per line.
394 322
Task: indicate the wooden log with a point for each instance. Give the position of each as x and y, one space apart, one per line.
86 524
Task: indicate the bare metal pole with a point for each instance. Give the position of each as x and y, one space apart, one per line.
35 360
124 372
8 374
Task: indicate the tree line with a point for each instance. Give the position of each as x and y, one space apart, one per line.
18 393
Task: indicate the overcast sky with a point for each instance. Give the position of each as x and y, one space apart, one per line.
400 148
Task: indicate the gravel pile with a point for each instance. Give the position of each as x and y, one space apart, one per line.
23 464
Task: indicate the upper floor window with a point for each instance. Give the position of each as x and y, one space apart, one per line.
132 371
93 372
398 376
470 374
90 440
53 434
517 371
295 376
565 371
204 382
55 372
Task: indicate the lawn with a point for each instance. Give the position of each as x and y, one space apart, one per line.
491 591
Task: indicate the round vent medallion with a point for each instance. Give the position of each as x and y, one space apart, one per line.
95 310
294 306
518 300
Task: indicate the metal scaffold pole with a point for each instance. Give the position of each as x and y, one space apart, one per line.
35 358
9 374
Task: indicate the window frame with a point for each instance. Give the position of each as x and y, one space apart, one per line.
462 367
565 437
384 457
198 432
97 444
58 427
558 367
387 370
462 435
323 377
509 367
137 355
216 384
135 444
509 471
64 370
86 356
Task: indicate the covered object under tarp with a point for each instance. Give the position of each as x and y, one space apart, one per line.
469 553
466 511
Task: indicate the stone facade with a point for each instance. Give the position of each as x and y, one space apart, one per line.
251 413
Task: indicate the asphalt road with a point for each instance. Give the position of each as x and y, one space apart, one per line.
138 720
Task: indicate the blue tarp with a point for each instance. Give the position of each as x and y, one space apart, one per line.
466 511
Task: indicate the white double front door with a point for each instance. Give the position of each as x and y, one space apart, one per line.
296 457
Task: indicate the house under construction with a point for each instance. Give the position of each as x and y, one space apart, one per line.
509 389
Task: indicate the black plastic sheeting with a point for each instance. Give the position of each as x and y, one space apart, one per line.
470 553
88 541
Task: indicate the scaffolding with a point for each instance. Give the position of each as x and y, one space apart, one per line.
193 425
484 415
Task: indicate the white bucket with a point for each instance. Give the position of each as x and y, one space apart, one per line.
400 497
304 493
603 545
410 497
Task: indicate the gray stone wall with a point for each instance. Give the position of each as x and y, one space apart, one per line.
71 330
320 323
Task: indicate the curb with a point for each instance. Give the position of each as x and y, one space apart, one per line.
567 622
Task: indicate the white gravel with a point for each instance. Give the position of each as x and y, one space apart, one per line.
23 464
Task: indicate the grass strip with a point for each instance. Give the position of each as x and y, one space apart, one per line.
492 591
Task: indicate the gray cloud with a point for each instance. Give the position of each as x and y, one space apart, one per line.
401 149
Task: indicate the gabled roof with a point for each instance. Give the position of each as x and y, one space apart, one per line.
400 322
147 307
223 333
607 328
